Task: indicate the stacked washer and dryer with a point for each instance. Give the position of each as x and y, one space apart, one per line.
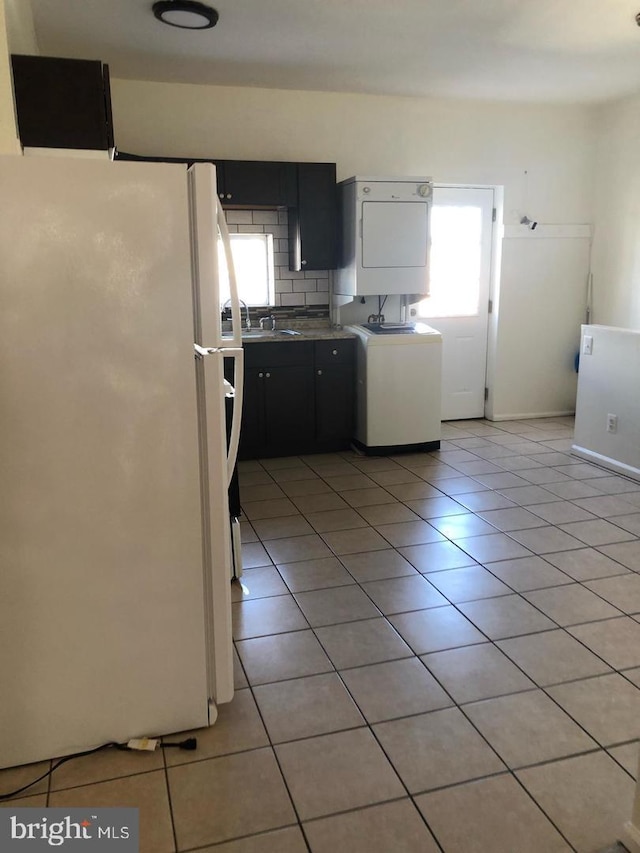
385 251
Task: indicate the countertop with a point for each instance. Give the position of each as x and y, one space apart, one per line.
304 333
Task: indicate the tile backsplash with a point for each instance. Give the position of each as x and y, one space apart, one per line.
298 294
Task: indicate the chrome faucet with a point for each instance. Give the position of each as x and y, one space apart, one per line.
246 308
271 319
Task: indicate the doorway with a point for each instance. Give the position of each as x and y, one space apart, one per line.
458 302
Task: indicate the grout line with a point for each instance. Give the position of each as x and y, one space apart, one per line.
169 800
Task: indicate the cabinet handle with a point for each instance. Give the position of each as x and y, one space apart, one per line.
319 373
268 375
260 375
228 195
303 263
334 352
221 195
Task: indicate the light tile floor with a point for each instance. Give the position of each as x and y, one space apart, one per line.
434 652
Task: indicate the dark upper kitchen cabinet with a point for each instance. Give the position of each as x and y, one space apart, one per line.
62 103
313 220
307 190
256 183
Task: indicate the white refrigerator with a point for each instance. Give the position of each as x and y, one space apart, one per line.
115 612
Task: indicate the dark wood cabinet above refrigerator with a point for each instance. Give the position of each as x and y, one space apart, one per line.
62 103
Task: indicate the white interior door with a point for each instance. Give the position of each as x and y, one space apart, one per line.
458 304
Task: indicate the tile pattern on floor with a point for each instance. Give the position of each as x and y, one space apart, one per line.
433 652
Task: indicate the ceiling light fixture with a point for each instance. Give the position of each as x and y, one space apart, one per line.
186 14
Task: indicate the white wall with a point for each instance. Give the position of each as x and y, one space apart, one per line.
20 29
8 135
17 35
616 251
608 384
543 285
451 141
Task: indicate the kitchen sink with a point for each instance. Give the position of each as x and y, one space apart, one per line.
258 333
269 333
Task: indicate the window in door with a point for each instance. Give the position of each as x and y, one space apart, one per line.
455 262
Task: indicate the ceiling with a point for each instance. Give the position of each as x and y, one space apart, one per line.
526 50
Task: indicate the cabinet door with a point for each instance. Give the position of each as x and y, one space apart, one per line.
252 427
335 393
62 103
334 407
278 414
219 164
313 222
289 410
258 183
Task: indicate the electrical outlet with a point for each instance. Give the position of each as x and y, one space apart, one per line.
587 345
612 423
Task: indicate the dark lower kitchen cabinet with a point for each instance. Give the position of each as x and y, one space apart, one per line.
256 183
298 398
62 103
277 415
313 220
278 410
251 441
334 393
288 409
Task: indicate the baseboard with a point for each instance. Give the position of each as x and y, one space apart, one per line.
606 462
530 416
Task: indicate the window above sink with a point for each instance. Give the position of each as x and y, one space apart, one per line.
254 265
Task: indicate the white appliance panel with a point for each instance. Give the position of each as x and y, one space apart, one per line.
394 234
385 236
102 611
211 236
216 530
203 211
398 388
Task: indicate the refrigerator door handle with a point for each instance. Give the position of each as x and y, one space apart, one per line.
202 351
237 354
236 318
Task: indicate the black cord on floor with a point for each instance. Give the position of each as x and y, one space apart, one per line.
189 743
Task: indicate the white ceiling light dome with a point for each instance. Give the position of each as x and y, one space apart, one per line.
186 14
